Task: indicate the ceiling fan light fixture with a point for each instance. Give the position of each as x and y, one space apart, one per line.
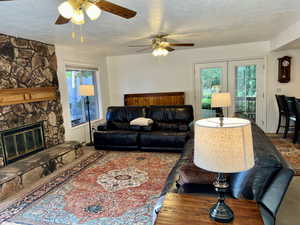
155 52
165 44
165 52
160 52
78 17
66 10
92 11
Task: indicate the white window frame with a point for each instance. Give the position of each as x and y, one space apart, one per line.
97 86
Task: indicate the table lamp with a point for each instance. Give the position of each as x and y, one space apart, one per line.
219 100
88 90
223 148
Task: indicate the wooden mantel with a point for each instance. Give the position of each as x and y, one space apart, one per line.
26 95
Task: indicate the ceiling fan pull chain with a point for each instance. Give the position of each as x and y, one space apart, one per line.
73 32
81 35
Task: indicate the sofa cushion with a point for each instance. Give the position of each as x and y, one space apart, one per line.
114 125
171 118
166 126
116 137
175 126
116 114
163 139
182 127
134 112
182 113
119 117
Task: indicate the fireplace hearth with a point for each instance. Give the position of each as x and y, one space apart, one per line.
20 142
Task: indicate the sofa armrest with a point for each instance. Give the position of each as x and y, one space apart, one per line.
274 194
266 215
102 126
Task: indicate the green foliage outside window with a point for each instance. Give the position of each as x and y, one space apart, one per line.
78 108
245 99
211 81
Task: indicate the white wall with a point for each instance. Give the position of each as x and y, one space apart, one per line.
72 56
274 87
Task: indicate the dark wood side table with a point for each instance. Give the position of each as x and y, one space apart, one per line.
183 209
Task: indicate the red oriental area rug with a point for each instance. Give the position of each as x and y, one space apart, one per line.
290 151
118 188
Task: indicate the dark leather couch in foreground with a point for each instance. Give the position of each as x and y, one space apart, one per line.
169 132
267 182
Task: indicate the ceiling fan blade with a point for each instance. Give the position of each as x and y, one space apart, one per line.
170 49
138 46
144 49
181 44
62 20
115 9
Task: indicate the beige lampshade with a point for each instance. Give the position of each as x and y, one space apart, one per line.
220 100
226 149
86 90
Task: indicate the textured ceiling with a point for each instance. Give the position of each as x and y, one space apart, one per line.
204 22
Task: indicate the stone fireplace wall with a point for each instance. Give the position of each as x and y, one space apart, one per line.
29 64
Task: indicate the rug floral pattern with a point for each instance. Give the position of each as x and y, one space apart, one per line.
290 151
120 188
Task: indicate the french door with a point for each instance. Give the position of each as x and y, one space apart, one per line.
243 79
209 78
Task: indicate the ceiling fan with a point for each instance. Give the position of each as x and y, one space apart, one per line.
73 10
161 46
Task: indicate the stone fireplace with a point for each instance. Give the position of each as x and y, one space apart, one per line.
29 64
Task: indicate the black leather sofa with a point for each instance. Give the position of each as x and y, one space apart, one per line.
169 132
267 182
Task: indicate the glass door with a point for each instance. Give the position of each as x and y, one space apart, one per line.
243 79
246 85
209 78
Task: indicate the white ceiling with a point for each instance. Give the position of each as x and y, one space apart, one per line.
291 45
204 22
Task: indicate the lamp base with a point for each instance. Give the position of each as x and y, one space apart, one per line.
221 213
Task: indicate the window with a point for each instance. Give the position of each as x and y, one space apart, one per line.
78 107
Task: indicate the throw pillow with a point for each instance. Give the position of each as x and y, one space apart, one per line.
141 121
189 173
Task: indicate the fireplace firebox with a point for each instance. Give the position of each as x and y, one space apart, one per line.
19 142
